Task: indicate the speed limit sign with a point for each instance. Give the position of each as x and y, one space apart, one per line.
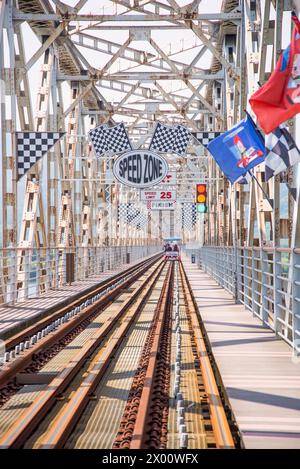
158 195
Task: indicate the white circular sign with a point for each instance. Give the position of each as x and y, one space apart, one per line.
140 168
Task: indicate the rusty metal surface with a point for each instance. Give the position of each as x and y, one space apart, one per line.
197 417
24 425
149 392
113 383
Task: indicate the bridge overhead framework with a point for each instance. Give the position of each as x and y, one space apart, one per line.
69 227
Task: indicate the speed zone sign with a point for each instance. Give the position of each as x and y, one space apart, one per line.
158 195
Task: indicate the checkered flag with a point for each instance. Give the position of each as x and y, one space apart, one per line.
98 139
122 211
31 146
183 136
189 215
114 139
206 137
281 152
131 215
163 138
170 138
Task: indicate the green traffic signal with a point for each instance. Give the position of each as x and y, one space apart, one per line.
201 208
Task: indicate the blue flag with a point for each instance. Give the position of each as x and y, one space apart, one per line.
239 149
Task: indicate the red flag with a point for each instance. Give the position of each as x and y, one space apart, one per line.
279 98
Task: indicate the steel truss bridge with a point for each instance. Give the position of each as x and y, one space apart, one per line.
112 65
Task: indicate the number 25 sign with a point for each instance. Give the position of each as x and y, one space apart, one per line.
157 195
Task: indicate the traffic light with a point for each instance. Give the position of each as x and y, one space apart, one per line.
201 198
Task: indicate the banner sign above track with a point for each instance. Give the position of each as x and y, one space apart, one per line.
140 168
162 205
166 195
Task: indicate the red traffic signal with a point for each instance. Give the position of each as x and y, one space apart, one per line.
201 198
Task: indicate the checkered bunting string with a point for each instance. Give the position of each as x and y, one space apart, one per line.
31 146
173 139
114 139
281 152
206 137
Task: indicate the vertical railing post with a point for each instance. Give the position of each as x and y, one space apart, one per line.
12 269
264 286
247 252
37 270
26 272
277 286
295 265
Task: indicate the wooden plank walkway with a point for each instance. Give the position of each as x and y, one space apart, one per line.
257 368
22 314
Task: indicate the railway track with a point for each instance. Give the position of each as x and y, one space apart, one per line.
30 349
135 375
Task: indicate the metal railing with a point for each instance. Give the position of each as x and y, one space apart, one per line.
26 272
266 280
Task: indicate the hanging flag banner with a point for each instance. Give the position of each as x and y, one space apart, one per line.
31 146
162 205
110 139
279 98
239 149
157 195
140 168
281 152
170 139
206 137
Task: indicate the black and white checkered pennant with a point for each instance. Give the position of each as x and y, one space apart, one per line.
114 139
170 139
31 146
206 137
281 152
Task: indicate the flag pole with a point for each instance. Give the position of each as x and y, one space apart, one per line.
271 202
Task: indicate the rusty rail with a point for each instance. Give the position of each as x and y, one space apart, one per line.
32 356
144 423
218 417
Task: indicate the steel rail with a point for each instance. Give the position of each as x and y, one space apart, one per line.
18 433
60 431
38 324
10 370
142 420
219 420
